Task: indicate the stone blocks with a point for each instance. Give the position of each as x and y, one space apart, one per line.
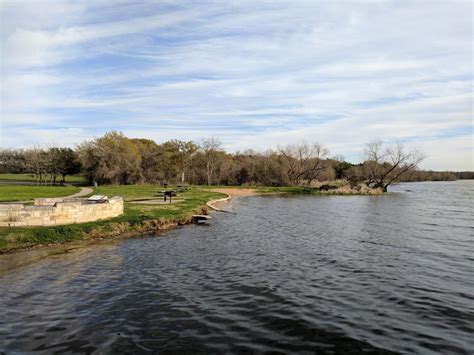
56 211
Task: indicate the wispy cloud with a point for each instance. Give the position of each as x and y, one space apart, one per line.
256 74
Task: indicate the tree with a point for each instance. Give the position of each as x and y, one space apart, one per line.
112 158
13 161
151 159
304 162
68 162
386 164
182 153
36 162
341 167
210 148
242 176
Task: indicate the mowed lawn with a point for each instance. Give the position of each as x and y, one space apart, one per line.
137 218
77 179
189 200
28 192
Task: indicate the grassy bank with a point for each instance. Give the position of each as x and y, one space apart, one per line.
137 218
76 179
26 192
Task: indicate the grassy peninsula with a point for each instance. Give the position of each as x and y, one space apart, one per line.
137 218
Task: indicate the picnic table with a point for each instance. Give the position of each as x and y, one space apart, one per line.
166 194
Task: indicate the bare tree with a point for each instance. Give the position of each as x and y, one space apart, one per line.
36 161
211 147
385 164
304 161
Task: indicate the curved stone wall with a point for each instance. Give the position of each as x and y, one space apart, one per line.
57 211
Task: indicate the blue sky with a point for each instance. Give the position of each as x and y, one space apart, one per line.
255 74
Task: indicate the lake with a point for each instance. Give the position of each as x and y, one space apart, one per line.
282 274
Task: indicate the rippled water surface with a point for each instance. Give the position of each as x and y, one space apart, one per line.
283 274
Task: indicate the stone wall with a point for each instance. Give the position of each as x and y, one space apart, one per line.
57 211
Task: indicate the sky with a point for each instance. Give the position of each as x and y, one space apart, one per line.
255 74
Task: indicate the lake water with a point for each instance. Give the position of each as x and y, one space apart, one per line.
300 274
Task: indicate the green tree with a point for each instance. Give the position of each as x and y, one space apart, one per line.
112 158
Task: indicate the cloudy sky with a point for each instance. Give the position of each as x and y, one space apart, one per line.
255 74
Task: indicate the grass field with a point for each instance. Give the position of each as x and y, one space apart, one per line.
136 218
26 192
29 177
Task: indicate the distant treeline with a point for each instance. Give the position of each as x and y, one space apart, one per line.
430 175
423 175
117 159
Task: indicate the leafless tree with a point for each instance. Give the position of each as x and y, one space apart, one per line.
36 158
385 164
304 161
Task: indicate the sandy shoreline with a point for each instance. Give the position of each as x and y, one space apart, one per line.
216 205
232 192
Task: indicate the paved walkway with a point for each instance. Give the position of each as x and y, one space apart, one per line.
84 191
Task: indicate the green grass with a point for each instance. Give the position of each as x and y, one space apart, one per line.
136 218
27 192
30 177
129 192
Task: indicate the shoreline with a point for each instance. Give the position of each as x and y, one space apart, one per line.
231 193
16 258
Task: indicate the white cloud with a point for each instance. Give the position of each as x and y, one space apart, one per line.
256 74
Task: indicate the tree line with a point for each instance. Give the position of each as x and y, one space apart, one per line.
49 166
116 159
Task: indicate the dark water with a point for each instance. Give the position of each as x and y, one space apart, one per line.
284 274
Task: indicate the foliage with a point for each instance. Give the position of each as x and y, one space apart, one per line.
111 159
117 159
44 165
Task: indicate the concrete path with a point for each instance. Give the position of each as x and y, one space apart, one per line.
84 191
